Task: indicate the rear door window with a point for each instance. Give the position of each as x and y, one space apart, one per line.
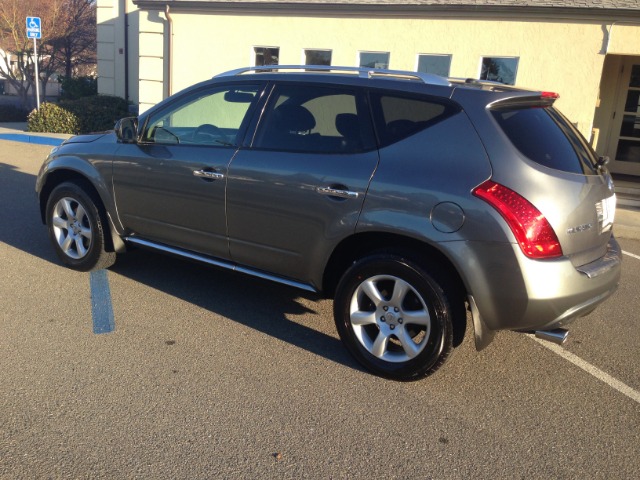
315 119
544 136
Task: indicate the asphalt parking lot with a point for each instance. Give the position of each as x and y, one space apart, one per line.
207 374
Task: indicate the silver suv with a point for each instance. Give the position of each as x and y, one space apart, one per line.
407 197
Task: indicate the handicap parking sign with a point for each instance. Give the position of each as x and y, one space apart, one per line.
34 27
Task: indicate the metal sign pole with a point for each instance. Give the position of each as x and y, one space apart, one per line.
35 63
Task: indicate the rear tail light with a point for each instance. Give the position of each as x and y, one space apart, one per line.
533 232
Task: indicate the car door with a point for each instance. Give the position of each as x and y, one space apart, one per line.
170 186
299 188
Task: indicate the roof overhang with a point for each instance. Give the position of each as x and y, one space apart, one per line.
415 9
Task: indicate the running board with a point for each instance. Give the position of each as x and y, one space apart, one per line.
218 263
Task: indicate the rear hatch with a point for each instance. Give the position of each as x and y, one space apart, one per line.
536 152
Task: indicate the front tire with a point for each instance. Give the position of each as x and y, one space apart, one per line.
394 317
76 228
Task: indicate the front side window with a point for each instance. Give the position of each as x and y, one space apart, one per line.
315 119
374 59
208 117
499 69
317 57
436 64
399 116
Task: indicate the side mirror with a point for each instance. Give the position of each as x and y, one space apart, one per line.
127 130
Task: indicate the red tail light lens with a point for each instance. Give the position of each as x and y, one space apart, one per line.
531 229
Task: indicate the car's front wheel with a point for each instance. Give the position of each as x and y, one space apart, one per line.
76 228
394 317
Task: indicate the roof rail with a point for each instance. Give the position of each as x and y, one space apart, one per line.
363 72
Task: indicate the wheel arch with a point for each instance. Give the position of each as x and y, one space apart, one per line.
433 260
98 192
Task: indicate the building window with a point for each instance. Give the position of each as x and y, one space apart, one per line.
499 69
317 57
436 64
374 59
266 56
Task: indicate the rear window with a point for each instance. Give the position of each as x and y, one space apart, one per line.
546 137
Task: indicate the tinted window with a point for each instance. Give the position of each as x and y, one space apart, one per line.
544 136
208 117
399 116
315 119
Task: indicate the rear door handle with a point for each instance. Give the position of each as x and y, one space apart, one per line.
335 192
208 174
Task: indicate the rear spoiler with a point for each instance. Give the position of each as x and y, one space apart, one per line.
531 99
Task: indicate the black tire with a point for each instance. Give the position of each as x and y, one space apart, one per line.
403 338
77 227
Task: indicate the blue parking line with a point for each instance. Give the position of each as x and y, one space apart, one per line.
25 138
101 307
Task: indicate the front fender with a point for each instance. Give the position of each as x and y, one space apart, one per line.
62 165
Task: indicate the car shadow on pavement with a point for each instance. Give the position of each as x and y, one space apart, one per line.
258 304
20 222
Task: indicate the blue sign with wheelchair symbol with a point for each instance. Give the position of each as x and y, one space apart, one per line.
34 27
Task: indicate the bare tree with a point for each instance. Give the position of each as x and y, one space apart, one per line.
76 41
68 39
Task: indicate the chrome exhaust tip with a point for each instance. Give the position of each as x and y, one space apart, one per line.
557 336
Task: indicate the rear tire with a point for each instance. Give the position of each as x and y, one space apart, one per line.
77 229
394 317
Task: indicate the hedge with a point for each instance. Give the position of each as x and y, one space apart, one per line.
84 115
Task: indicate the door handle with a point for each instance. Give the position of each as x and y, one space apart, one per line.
209 175
335 192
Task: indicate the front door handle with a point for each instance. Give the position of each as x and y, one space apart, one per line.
208 174
335 192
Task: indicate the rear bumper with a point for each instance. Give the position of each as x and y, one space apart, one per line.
513 292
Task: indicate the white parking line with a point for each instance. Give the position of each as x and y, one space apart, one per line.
587 367
631 255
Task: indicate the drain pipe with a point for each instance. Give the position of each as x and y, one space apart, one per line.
167 14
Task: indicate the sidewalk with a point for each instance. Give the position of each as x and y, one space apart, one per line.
627 221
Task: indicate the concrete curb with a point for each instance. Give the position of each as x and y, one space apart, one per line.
17 132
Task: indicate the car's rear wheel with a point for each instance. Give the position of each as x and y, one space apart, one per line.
76 228
394 317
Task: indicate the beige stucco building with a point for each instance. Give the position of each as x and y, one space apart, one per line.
586 50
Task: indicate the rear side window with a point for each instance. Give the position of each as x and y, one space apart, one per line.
399 116
547 138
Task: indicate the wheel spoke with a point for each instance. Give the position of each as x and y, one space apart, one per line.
65 245
68 209
379 347
417 317
371 290
400 290
60 222
361 318
80 248
86 232
81 214
410 347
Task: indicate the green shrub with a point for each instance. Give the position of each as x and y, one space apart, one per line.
84 115
78 87
11 113
53 119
